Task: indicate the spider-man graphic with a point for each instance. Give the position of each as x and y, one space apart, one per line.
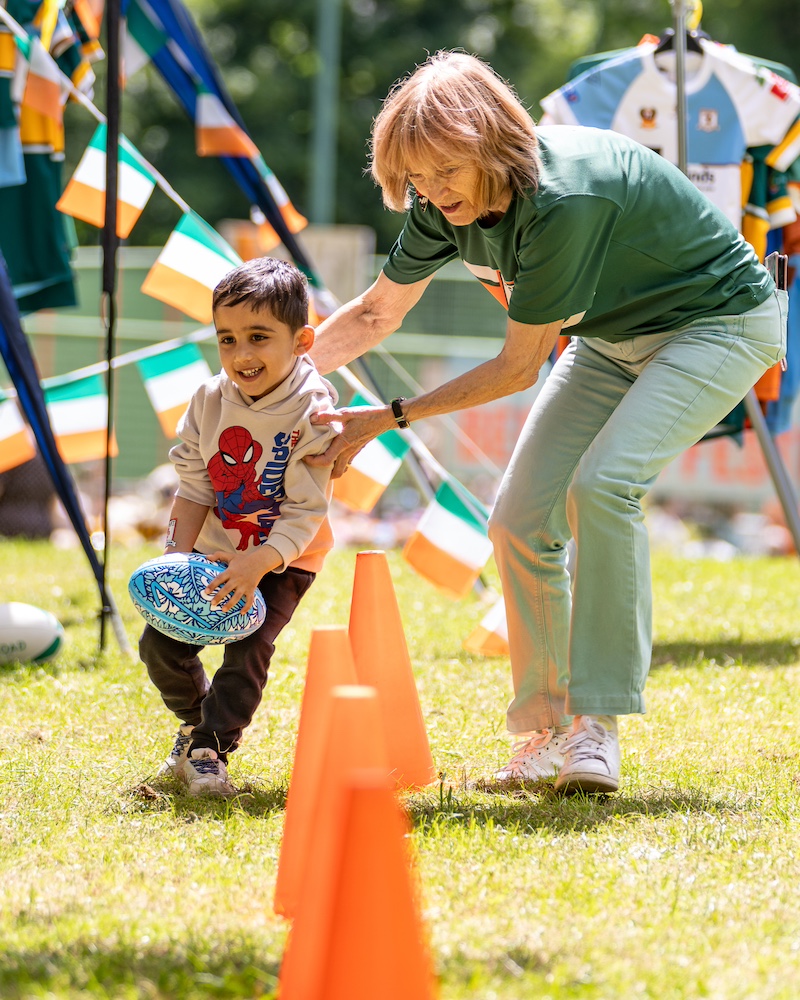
240 503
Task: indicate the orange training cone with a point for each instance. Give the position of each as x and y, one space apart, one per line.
374 941
330 662
382 661
353 741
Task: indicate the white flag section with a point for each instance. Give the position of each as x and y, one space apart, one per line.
490 638
450 545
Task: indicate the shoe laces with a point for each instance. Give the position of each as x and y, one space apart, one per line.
182 741
588 742
534 744
206 765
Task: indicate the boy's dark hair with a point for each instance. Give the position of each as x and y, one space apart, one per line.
267 283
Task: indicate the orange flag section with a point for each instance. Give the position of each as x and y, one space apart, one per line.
357 490
16 440
371 942
447 572
86 447
217 134
382 661
330 663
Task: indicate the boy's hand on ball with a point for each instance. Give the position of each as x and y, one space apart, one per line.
241 578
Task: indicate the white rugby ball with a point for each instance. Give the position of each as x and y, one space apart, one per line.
28 634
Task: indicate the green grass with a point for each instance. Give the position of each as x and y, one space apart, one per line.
682 885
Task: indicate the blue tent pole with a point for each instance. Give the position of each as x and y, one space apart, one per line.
21 365
110 245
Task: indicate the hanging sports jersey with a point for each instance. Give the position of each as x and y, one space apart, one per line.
732 104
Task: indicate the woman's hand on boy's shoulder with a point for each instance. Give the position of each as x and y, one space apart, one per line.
359 425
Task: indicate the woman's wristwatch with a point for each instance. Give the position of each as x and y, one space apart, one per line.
397 410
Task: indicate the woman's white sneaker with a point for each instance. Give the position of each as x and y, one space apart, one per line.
539 755
591 756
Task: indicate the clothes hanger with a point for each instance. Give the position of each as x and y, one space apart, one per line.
667 41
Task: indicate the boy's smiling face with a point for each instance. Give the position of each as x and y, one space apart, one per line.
256 350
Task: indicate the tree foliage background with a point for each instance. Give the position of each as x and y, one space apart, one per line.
268 55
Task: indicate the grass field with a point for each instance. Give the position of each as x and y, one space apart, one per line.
682 885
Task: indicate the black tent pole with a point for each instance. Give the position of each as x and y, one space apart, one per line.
110 244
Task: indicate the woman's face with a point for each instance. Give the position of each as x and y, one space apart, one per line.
452 186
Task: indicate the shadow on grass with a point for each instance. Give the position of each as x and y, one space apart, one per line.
521 964
538 806
524 809
87 969
65 662
167 795
91 970
777 653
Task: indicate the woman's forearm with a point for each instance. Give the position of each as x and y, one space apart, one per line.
364 322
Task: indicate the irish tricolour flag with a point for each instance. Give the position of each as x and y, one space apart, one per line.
170 379
490 638
16 440
293 219
46 87
451 543
143 35
78 415
85 195
372 469
216 132
190 266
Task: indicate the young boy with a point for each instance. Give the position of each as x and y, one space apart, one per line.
245 498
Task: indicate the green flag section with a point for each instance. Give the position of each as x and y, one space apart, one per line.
142 36
372 469
85 195
450 545
16 441
170 380
188 269
78 414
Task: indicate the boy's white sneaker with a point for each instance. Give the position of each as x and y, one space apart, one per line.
179 752
204 773
591 756
539 755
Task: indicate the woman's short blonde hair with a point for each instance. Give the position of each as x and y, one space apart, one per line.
454 106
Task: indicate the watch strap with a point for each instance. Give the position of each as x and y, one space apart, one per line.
397 410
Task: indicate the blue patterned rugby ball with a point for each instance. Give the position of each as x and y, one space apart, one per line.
168 593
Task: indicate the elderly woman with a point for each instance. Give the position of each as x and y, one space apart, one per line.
672 320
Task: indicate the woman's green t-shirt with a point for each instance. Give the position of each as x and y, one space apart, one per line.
615 240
